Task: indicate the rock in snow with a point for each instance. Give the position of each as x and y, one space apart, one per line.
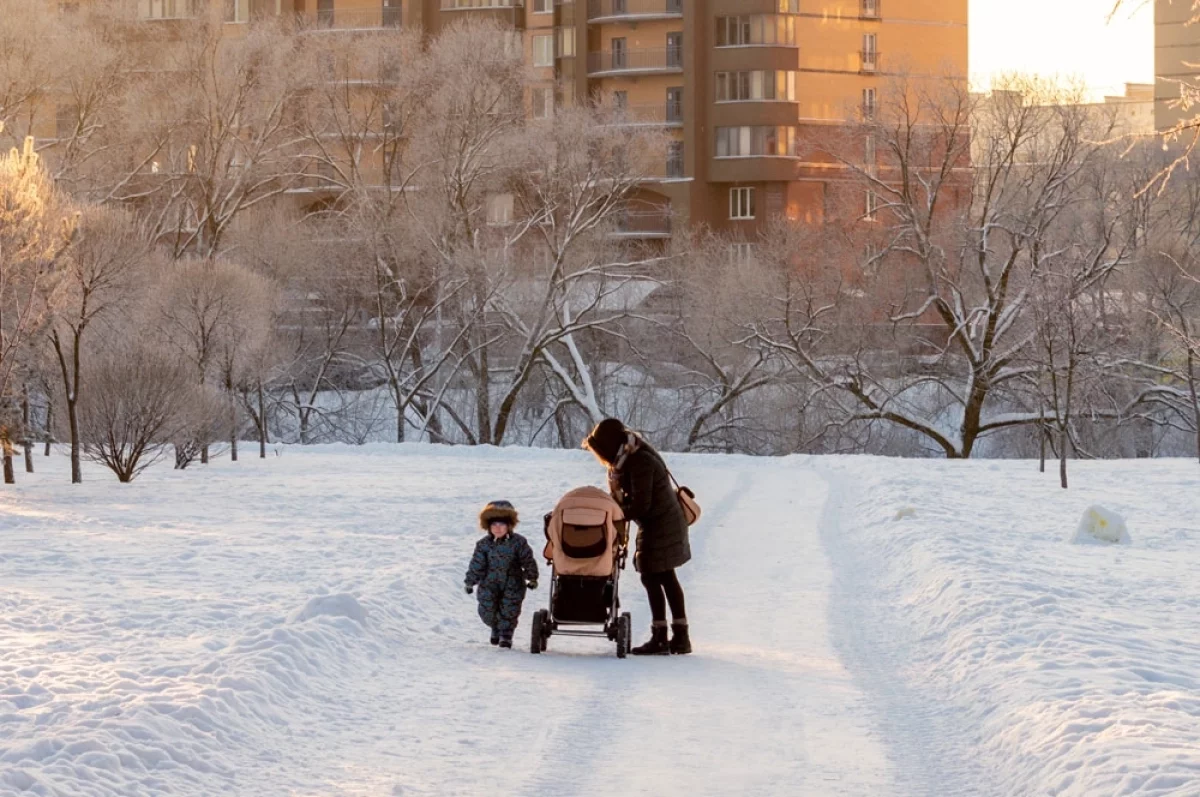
340 605
1100 525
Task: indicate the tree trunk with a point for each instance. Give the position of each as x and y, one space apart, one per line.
6 443
204 454
1063 440
49 426
262 424
76 457
26 438
1191 364
1042 431
233 424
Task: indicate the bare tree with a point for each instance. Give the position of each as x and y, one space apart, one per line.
139 401
721 360
202 307
36 230
100 277
29 65
235 145
964 256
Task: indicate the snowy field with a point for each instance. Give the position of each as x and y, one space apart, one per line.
296 626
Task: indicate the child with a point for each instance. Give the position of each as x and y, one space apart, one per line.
502 566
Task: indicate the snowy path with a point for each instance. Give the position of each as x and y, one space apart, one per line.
152 642
862 627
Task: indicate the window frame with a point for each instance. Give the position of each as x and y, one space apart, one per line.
742 203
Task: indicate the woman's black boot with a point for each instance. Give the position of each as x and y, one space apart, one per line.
658 645
681 643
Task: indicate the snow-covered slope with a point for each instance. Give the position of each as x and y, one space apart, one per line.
296 626
1006 660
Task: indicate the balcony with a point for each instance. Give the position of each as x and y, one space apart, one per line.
612 63
467 5
868 61
331 19
869 9
644 225
603 11
667 114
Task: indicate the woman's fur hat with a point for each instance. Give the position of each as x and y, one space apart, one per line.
498 510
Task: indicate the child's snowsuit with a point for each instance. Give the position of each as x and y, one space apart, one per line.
500 568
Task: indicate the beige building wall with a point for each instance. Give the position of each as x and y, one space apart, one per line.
1176 44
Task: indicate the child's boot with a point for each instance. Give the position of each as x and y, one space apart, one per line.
506 639
681 643
495 640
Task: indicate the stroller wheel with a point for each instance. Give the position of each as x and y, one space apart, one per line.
624 629
537 635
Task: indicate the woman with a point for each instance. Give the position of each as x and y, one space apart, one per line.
638 481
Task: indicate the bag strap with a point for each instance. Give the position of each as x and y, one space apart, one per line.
663 462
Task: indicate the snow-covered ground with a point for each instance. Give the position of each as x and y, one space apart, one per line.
296 626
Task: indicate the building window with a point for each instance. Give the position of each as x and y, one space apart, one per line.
748 30
542 102
869 157
675 159
742 142
66 118
619 61
621 99
675 104
869 104
236 11
675 49
756 86
500 209
543 51
392 14
543 6
870 53
870 9
789 6
741 203
166 9
566 42
871 209
741 254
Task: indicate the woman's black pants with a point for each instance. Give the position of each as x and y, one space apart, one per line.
663 588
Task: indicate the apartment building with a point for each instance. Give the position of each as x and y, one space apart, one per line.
1176 55
745 90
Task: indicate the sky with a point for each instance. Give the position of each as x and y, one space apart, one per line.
1066 38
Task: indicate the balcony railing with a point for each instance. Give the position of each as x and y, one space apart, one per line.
869 9
668 114
601 10
332 19
675 166
669 59
644 224
462 5
868 61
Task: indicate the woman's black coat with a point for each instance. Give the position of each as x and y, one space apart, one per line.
650 500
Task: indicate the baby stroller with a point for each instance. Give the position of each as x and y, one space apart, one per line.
587 541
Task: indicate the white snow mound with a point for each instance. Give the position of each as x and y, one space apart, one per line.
341 605
1100 525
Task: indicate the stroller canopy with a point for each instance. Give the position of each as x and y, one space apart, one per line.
585 533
